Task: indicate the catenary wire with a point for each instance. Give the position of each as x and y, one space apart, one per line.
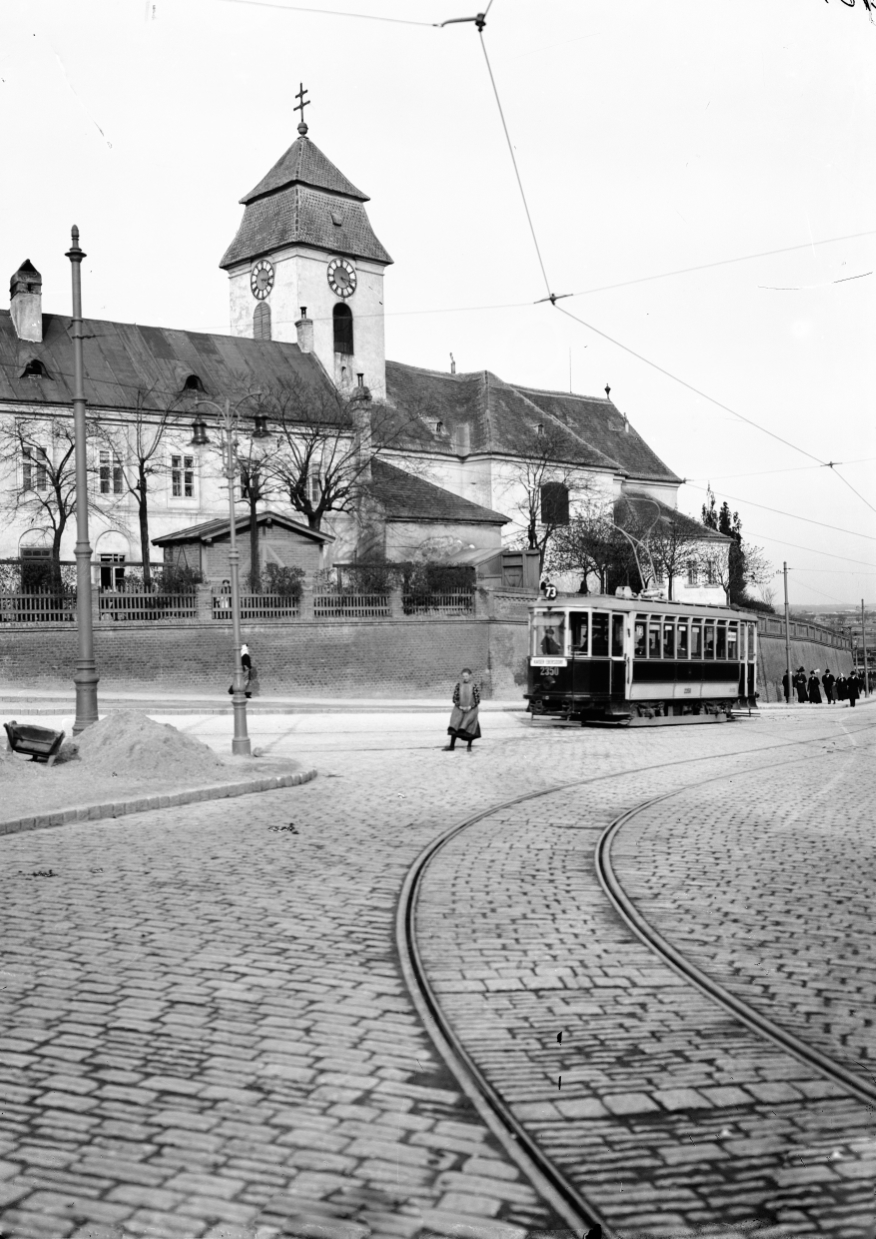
855 533
299 8
755 533
514 161
760 473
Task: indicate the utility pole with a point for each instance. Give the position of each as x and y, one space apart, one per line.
788 637
864 643
85 676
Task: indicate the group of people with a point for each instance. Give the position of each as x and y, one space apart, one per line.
836 688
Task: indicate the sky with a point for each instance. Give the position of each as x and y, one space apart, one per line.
650 138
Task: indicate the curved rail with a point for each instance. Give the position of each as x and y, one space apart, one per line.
548 1181
748 1015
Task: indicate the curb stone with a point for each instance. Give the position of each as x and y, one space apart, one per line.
121 808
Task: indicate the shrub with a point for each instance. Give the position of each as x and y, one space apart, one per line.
178 579
284 582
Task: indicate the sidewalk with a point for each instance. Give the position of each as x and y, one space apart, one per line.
63 701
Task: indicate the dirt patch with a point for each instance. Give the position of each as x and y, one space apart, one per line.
125 756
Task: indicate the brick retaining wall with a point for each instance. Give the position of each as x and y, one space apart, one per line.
380 658
809 654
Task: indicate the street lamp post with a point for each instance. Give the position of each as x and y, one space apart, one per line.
229 421
85 676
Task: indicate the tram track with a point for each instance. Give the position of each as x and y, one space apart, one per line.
554 1186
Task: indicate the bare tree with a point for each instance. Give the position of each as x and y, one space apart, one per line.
592 544
38 457
257 484
135 456
540 485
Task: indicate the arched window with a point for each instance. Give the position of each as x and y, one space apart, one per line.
261 322
554 503
342 321
35 370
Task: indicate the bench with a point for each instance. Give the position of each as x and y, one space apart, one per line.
38 743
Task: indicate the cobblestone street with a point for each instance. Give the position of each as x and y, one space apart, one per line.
206 1029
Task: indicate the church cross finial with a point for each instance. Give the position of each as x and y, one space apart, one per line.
302 104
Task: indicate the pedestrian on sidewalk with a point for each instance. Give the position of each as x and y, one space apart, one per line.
840 688
464 723
828 681
814 688
852 689
786 687
800 682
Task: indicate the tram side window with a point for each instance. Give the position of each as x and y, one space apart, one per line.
681 651
709 639
617 636
668 638
580 626
721 650
599 643
639 638
696 639
547 636
654 638
752 648
733 642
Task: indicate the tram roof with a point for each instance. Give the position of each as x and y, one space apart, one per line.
652 606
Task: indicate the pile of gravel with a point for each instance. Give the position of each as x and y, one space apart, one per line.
129 743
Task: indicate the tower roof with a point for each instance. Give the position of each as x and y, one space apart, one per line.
304 200
304 164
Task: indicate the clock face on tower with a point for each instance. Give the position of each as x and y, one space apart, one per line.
261 279
341 277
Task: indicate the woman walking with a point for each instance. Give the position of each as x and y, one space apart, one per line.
800 684
464 723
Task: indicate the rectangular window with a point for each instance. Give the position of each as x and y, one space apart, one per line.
721 650
692 574
554 503
617 636
711 573
752 647
696 639
709 639
733 642
668 638
548 635
654 637
110 474
599 639
681 651
34 474
580 632
182 477
639 638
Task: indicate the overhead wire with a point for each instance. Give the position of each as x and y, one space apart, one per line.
300 8
759 473
855 533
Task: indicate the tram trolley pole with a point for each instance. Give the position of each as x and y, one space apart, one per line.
788 637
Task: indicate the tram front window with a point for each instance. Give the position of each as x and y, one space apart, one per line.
696 639
668 639
682 639
599 640
639 637
617 636
709 639
654 639
580 627
547 636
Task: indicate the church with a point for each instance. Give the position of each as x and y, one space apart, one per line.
451 468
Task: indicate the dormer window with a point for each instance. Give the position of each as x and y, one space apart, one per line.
439 428
35 370
193 383
539 430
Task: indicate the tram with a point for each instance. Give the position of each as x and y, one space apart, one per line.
639 661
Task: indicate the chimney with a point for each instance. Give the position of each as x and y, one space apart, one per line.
26 302
452 364
304 327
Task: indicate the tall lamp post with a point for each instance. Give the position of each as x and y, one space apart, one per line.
228 419
85 676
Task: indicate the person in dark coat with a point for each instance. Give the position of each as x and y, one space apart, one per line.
814 689
800 682
464 723
828 681
786 686
852 689
840 688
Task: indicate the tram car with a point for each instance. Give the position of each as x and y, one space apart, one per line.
639 661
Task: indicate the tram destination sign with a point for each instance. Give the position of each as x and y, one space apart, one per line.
548 662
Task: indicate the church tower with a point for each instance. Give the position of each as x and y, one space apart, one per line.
306 267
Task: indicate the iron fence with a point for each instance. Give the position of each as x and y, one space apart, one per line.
257 607
122 605
352 606
38 608
438 604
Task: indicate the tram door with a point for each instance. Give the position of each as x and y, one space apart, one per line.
608 666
